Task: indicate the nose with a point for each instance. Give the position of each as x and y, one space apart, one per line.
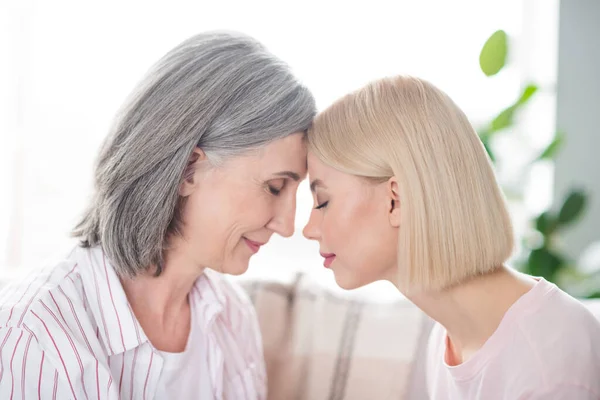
283 221
311 231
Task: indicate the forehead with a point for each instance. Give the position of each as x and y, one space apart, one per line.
317 169
329 176
328 180
287 154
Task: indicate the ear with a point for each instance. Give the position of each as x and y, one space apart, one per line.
393 198
188 183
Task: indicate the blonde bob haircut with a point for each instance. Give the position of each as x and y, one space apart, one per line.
454 220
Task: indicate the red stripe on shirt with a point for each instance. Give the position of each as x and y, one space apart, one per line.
59 355
24 367
148 374
12 358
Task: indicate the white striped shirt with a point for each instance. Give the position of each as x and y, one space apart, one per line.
68 332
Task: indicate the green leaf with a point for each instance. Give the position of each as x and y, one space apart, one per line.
527 94
506 117
546 223
493 54
550 151
572 207
542 262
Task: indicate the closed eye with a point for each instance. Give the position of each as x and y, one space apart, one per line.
322 205
274 191
275 186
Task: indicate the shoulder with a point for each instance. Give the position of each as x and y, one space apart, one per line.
573 323
51 305
562 335
22 297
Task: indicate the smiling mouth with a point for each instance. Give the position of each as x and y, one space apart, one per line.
254 246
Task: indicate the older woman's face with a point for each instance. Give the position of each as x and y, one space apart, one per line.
232 210
355 223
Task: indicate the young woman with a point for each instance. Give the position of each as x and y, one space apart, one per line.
404 191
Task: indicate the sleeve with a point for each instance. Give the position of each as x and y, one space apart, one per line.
566 391
25 369
28 370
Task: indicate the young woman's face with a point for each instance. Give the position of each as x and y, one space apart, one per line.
356 224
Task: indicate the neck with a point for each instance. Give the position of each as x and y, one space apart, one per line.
163 298
472 311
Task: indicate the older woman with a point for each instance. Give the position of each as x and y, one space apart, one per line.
200 169
405 192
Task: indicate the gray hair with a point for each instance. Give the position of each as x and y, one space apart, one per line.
223 92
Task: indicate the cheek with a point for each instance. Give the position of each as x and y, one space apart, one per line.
210 219
205 224
254 211
343 229
227 209
244 215
359 236
334 230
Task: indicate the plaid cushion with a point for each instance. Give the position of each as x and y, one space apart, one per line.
321 345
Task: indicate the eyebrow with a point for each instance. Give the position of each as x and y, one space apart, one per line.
289 174
315 183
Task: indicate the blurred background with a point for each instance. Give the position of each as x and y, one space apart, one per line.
524 71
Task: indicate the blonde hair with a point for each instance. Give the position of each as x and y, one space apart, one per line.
454 220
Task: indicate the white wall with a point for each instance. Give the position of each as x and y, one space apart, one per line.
578 115
66 65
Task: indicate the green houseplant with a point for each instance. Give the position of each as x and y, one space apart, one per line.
541 257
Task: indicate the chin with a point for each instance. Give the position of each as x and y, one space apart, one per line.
236 272
235 269
347 284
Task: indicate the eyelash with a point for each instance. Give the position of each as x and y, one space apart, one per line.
322 205
274 191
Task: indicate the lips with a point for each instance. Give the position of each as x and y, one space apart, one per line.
254 246
329 258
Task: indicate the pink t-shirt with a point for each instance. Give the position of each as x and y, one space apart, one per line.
547 346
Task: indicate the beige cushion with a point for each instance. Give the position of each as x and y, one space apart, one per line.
321 345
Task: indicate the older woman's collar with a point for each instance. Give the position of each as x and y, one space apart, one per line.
118 328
